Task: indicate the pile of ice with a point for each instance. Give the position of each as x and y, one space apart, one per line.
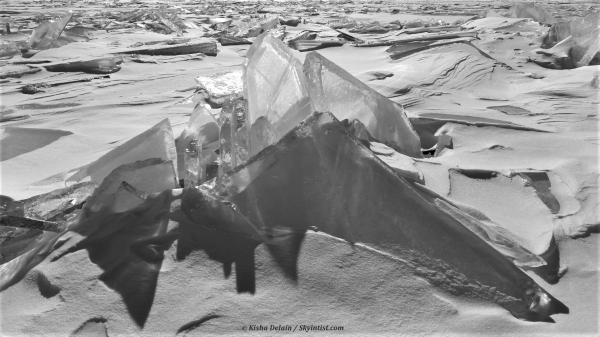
289 150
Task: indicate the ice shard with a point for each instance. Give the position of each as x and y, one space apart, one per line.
156 142
233 148
276 90
51 205
334 90
46 34
148 176
196 145
319 176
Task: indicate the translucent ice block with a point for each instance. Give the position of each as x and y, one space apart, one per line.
45 35
276 90
334 90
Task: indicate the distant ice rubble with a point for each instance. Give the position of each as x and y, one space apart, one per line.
295 147
571 44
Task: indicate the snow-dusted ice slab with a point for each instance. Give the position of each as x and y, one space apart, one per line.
334 90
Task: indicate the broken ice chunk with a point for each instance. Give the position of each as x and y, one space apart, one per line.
156 142
335 90
233 148
221 86
45 35
276 90
194 168
196 145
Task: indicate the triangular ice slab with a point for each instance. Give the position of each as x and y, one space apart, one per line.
334 90
319 175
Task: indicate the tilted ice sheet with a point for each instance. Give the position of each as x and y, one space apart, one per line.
156 142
